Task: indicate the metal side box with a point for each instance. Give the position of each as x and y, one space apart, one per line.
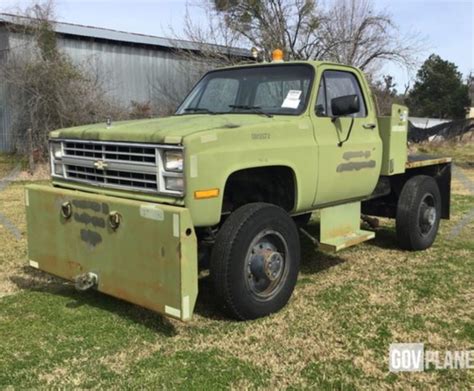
140 252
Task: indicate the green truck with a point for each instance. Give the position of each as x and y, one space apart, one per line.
138 209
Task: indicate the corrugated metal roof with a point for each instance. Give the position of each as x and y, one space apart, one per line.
122 36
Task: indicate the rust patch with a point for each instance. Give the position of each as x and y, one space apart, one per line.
340 231
427 162
355 166
75 266
356 154
86 219
91 237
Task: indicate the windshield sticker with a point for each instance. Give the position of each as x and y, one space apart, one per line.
292 100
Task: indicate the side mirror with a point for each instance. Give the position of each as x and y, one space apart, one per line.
345 105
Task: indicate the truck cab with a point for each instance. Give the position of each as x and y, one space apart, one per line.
228 183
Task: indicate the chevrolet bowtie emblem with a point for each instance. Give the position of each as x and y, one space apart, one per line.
100 165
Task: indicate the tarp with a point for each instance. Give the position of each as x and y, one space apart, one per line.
445 131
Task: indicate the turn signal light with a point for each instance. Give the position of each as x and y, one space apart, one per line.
209 193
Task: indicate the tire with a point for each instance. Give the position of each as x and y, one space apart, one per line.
255 261
418 213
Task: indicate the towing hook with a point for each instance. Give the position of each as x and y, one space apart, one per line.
66 210
114 220
85 281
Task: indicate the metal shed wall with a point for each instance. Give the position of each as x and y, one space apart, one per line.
5 128
128 72
129 66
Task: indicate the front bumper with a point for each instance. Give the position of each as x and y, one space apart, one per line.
150 259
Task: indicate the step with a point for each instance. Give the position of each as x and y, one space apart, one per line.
340 227
351 239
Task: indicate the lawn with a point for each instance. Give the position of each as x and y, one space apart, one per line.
334 334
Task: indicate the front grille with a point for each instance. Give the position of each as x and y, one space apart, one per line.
114 164
112 177
115 152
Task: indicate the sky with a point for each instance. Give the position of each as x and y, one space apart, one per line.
445 25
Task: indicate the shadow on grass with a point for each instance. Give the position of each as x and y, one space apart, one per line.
206 304
313 260
385 238
35 281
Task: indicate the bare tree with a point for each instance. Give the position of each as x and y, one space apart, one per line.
351 32
268 24
200 48
385 94
46 91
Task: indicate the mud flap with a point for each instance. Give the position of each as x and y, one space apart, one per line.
141 252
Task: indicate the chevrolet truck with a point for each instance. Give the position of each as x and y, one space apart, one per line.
137 209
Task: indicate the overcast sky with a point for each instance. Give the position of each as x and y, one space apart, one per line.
447 25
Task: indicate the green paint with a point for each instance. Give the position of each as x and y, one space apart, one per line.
159 275
340 227
393 131
215 146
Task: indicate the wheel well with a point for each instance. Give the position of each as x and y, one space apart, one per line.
386 205
275 185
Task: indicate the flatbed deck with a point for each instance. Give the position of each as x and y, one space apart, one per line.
415 161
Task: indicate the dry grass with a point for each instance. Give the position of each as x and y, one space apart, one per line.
334 334
462 152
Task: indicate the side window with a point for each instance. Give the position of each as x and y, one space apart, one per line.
336 84
219 94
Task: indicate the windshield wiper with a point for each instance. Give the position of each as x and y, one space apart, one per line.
202 109
253 109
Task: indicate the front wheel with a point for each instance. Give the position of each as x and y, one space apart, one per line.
255 261
418 213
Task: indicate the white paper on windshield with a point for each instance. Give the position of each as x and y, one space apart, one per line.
292 100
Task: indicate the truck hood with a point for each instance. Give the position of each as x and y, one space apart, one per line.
160 130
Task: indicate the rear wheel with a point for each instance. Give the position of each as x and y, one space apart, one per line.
418 213
255 261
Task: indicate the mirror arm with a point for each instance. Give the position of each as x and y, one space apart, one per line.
340 143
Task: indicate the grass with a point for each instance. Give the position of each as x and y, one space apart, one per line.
335 333
8 162
462 153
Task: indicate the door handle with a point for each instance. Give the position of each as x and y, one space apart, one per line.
369 126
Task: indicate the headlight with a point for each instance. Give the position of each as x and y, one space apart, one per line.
174 184
56 150
56 155
174 161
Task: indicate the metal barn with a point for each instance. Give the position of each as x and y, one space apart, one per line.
127 63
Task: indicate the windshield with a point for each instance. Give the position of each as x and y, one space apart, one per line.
269 90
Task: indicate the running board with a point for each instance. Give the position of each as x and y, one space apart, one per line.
340 227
